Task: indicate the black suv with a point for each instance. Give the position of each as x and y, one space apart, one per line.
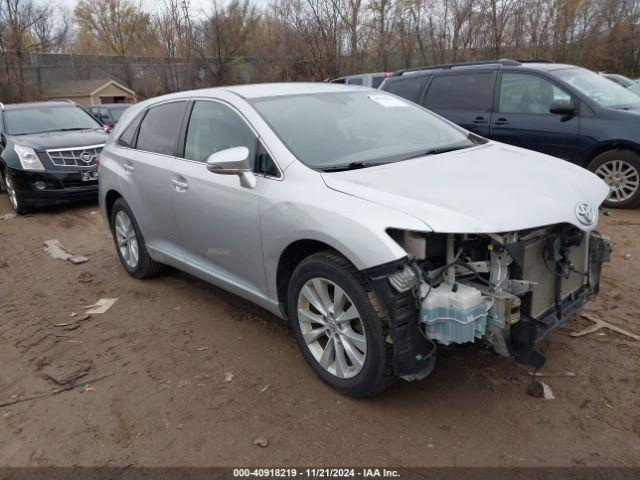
562 110
48 153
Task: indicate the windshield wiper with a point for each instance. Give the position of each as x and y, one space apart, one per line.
349 166
437 150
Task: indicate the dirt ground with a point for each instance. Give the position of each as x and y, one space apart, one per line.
171 342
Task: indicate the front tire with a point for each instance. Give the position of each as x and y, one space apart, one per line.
337 327
129 242
620 169
15 198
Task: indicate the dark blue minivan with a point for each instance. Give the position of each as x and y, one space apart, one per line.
561 110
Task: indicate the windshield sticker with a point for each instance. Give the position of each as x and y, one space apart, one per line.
388 101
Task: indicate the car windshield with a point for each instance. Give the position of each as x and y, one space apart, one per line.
598 88
116 112
24 121
330 130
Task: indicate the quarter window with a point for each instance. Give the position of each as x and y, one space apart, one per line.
408 88
523 93
213 127
127 139
470 91
160 128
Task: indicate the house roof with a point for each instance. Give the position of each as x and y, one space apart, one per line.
76 88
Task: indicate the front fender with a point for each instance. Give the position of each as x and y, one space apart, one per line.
302 207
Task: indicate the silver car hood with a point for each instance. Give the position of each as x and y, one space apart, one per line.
485 189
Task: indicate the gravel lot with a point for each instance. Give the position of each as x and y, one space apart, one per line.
198 374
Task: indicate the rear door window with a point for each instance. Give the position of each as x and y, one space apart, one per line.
355 81
160 128
466 91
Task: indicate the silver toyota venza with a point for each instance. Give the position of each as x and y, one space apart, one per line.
376 228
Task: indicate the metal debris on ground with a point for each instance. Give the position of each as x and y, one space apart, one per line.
228 376
8 216
541 390
55 249
600 324
265 388
261 442
201 349
101 305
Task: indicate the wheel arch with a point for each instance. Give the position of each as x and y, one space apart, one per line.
109 199
609 146
290 258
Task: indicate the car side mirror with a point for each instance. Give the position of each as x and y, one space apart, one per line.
563 108
233 161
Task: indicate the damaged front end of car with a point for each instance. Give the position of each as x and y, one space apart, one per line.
506 289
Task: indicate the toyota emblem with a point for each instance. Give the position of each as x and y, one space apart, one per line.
585 214
86 157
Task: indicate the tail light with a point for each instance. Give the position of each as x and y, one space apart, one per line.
107 128
387 74
97 160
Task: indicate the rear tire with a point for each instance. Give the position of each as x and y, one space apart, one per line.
129 242
347 350
15 198
620 169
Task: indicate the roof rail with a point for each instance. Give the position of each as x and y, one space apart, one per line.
536 60
445 66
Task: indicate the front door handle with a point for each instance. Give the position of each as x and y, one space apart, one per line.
128 167
179 185
501 121
479 120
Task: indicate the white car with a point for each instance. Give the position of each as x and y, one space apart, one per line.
377 228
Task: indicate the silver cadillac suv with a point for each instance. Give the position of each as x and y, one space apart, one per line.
375 227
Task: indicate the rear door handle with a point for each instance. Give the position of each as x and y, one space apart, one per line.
501 121
179 185
128 167
479 120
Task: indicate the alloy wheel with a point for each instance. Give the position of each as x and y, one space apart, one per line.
622 177
126 239
13 197
332 328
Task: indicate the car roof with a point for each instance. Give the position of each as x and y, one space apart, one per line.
110 105
541 65
27 106
261 90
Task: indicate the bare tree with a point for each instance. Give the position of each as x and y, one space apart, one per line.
223 35
25 28
121 25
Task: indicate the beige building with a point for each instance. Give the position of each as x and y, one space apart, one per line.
90 92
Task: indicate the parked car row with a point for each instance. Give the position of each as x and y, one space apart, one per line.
376 228
561 110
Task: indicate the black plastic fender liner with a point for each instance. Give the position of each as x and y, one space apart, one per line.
414 355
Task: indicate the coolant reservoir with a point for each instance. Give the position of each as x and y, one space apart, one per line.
454 316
